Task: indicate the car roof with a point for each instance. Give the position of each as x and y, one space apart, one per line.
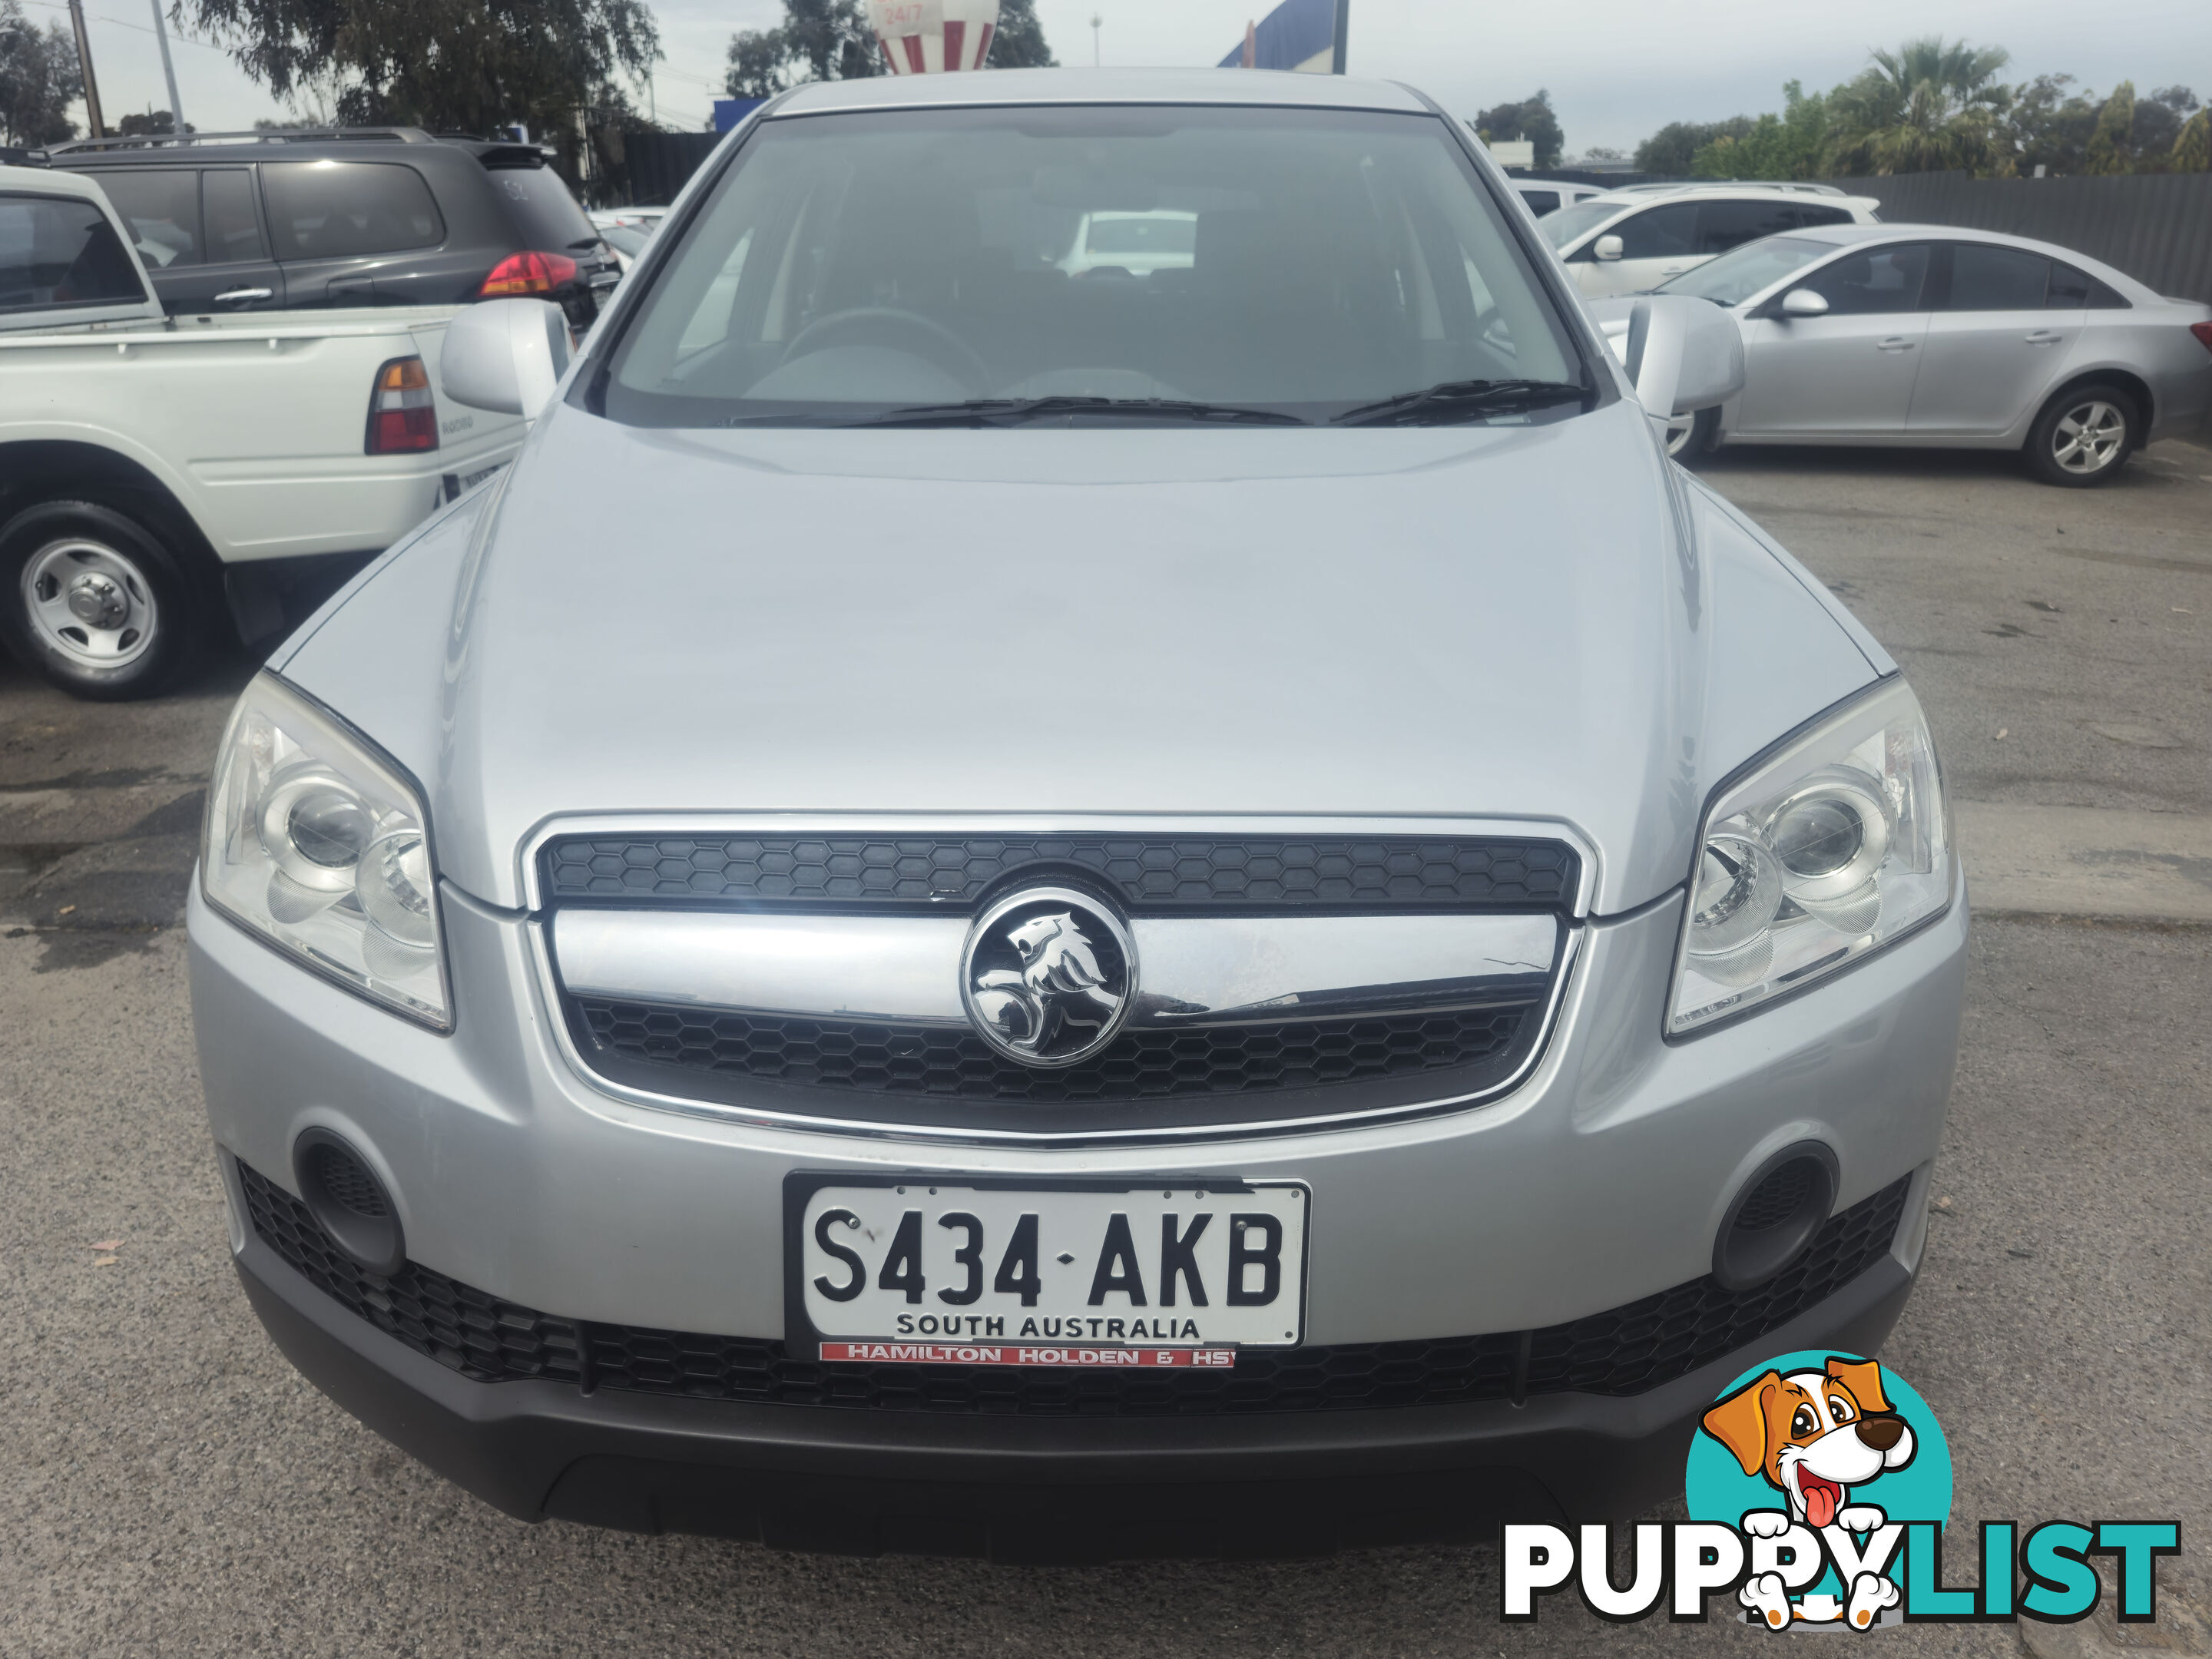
1847 235
1645 195
45 181
1282 88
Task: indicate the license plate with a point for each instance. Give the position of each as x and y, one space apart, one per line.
1049 1274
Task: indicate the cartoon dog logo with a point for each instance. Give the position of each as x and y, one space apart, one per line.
1815 1437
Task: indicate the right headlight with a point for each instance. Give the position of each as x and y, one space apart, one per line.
1832 848
320 845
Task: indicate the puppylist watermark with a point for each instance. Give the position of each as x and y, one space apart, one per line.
1820 1492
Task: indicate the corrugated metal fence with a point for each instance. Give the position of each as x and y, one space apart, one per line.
2155 227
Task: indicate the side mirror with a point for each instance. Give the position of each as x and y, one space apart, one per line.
505 356
1803 302
1608 248
1684 355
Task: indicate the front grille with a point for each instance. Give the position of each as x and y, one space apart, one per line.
1281 874
954 1064
455 1324
1626 1351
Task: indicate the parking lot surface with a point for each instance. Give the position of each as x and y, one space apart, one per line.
173 1487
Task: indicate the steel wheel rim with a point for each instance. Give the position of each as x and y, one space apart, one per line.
90 603
2089 436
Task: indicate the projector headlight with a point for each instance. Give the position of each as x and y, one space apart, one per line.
318 843
1831 849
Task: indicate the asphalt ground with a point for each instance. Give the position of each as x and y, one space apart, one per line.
169 1486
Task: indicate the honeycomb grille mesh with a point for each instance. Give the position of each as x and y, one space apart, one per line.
1626 1351
1291 873
461 1327
954 1064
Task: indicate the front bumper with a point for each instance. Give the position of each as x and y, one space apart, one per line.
1027 1489
1600 1180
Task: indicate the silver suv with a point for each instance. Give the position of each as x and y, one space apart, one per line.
991 908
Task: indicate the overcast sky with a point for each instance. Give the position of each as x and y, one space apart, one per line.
1616 68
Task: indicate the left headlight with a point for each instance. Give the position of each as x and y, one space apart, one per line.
320 845
1831 849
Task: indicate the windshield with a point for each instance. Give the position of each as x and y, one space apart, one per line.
1569 222
1298 261
1742 272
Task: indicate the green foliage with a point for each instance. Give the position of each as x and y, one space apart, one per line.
1672 150
2049 126
2113 145
1931 106
38 80
1019 42
2192 145
1531 119
449 65
830 40
1793 145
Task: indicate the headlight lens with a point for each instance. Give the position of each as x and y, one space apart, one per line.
318 843
1831 849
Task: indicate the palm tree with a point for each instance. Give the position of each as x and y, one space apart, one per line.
1929 106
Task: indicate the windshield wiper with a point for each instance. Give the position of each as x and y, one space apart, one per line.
1462 400
1012 411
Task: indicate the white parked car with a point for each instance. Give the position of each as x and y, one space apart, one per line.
627 230
1935 337
1546 196
1133 244
1628 241
156 472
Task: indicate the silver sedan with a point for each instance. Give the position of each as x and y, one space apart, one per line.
1934 336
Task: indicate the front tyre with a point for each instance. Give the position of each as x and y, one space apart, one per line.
2084 435
92 599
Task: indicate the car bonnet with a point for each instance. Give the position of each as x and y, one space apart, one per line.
1496 621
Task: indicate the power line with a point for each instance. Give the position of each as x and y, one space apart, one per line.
59 5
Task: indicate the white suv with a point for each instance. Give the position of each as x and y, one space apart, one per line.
1625 241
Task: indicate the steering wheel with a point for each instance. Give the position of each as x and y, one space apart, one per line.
903 331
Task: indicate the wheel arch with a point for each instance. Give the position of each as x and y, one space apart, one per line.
2112 374
35 470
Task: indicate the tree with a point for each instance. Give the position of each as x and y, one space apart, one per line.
152 124
2047 126
1019 42
450 65
1531 119
2159 120
831 40
39 79
1793 145
2192 145
1929 106
2113 145
1671 151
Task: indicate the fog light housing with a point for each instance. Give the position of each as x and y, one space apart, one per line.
348 1201
1775 1216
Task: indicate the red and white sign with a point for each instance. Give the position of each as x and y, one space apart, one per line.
1018 1353
927 37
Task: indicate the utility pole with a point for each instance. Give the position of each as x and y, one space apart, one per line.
84 64
169 73
1343 30
1096 20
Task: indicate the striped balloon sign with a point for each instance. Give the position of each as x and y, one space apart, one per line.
927 37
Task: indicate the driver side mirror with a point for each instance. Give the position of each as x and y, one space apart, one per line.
1803 302
505 356
1608 248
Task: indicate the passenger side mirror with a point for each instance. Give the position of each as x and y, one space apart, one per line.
1684 355
505 356
1608 248
1803 302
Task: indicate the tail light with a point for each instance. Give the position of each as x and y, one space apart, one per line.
522 274
2203 333
403 418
